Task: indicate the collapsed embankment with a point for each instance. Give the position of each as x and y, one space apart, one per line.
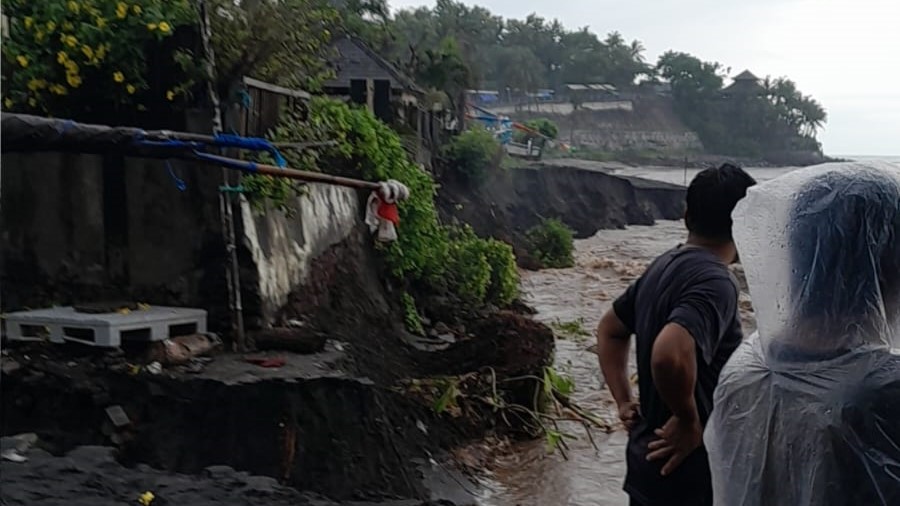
342 422
512 201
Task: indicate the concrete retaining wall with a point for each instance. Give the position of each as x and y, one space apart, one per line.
79 228
283 248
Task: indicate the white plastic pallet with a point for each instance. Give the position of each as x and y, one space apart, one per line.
61 324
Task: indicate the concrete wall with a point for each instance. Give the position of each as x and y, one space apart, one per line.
282 249
79 228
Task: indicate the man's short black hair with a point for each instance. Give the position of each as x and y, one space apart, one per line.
711 198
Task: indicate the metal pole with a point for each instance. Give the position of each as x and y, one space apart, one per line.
232 270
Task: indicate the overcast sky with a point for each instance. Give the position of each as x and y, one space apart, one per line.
845 53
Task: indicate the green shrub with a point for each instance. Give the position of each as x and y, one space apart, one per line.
411 314
504 285
546 127
472 154
551 243
482 270
469 273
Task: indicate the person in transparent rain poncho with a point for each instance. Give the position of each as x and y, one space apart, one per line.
808 409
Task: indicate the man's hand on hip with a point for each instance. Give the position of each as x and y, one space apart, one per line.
677 439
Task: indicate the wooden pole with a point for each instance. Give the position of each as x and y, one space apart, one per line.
226 205
299 175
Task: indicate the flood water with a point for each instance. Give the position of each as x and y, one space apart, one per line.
604 266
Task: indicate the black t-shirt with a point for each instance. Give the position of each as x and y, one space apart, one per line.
693 288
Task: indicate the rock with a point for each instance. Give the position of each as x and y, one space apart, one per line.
118 416
219 472
9 366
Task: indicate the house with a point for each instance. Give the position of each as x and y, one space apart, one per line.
368 78
744 84
365 77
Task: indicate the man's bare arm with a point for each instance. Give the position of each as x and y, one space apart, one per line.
613 346
673 363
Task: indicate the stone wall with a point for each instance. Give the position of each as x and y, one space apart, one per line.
649 124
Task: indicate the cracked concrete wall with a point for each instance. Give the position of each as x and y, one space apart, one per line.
282 248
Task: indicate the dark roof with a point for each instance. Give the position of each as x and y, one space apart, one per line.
356 60
746 76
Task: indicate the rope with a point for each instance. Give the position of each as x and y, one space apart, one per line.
251 143
179 183
220 140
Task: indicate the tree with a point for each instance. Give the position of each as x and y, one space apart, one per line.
693 81
284 42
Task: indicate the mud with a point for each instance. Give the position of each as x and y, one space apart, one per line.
91 476
585 199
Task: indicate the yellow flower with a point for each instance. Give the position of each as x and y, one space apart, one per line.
70 40
73 6
151 26
121 10
58 89
101 52
164 27
130 89
74 80
170 95
136 9
39 36
23 60
67 26
88 52
100 22
32 102
29 22
71 67
119 77
61 57
8 103
37 84
51 26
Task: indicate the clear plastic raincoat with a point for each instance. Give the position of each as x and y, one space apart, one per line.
808 409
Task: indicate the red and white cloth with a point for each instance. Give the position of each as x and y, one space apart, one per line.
382 214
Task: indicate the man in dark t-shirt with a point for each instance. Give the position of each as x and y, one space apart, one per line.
683 314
